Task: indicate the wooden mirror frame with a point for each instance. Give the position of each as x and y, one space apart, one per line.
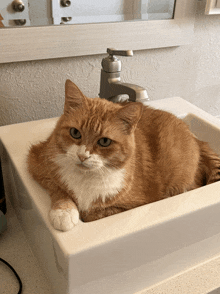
35 43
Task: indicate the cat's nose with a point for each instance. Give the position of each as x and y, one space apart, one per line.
83 157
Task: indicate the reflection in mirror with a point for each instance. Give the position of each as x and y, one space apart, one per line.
21 13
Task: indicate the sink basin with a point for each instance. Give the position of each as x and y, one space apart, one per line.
204 131
124 253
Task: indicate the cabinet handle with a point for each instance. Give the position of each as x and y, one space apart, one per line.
65 3
18 5
20 22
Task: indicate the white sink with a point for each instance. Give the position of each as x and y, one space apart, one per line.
127 252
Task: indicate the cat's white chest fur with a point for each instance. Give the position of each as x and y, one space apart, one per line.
88 185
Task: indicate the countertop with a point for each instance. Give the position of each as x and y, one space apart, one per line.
14 248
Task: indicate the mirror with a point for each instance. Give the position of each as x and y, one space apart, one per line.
21 13
59 41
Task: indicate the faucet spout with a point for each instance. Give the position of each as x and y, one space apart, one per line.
135 93
111 87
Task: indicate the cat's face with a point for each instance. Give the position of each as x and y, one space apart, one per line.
92 142
94 134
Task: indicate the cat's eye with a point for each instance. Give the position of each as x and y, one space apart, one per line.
75 133
104 142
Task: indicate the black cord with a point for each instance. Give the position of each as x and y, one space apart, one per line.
17 276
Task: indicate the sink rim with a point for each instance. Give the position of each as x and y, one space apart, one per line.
119 225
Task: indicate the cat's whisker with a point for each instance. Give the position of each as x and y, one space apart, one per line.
110 166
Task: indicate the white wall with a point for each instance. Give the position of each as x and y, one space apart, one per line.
35 90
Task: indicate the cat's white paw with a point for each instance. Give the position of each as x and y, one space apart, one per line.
64 219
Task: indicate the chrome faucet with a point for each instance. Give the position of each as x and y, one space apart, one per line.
111 87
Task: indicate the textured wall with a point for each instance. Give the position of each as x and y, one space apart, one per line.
35 90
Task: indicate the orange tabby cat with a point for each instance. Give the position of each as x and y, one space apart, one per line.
104 158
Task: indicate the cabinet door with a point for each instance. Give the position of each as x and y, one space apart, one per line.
12 14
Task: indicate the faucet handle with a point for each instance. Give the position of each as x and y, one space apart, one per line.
112 51
112 64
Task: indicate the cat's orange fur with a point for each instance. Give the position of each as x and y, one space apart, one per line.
160 157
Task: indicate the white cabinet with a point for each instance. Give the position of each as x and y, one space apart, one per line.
86 11
12 16
35 13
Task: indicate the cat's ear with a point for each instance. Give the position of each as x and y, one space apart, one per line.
129 115
74 98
